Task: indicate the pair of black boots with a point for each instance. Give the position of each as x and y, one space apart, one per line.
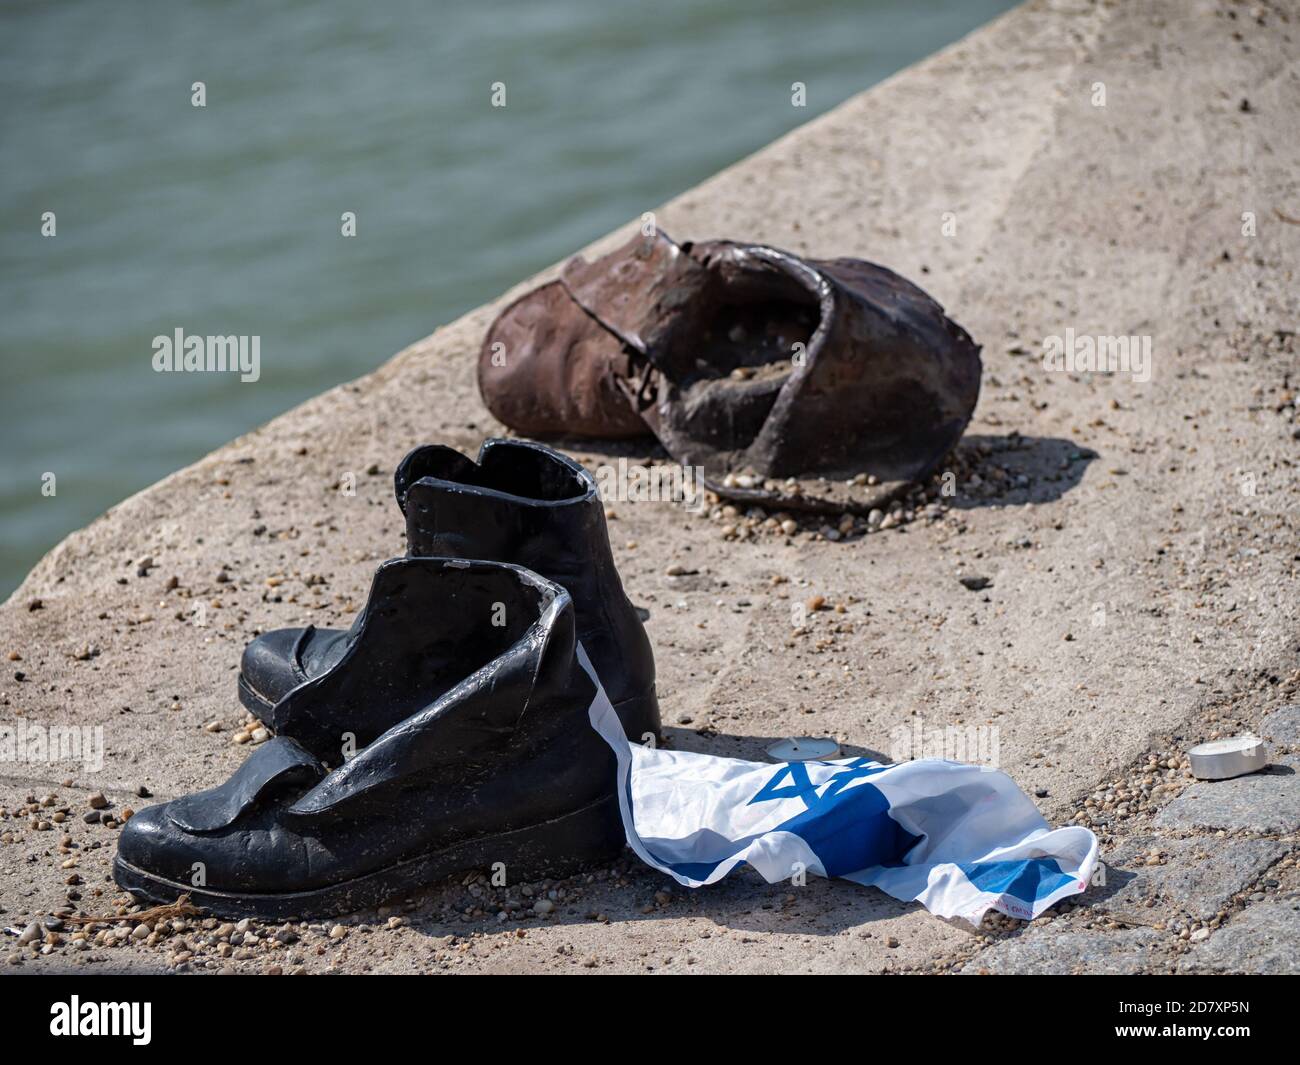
447 729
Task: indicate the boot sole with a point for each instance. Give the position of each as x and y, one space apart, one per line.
550 850
254 701
639 708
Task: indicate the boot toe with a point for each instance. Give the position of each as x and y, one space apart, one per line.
259 855
151 843
269 667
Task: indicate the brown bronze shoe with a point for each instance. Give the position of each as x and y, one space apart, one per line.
816 384
549 369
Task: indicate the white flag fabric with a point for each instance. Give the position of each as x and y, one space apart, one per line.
959 839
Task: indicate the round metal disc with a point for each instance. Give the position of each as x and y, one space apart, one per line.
1224 759
804 749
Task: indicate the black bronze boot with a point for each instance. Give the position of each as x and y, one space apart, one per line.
474 747
523 503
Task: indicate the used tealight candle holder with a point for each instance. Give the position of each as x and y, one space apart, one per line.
804 749
1224 759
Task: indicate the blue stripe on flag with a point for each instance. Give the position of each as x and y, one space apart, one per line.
1026 879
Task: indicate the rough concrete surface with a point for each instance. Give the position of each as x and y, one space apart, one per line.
1066 953
1141 540
1261 941
1196 875
1266 802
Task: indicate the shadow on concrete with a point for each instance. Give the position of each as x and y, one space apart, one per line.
749 748
1038 469
1050 465
741 901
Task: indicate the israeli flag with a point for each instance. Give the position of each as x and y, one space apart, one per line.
959 839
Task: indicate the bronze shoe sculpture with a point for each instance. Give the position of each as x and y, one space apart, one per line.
473 746
809 384
519 502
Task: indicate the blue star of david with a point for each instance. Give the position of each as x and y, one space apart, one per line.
800 785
